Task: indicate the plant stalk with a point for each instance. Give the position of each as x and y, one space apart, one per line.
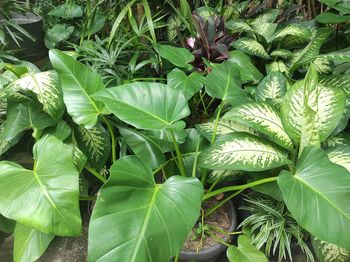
111 133
178 154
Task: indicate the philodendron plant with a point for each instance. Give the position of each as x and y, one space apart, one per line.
83 128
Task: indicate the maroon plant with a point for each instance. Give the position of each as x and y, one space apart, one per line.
211 41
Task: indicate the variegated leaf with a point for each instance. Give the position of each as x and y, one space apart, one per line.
272 88
342 138
224 175
327 103
336 81
266 30
323 65
238 25
224 127
95 144
340 155
276 66
251 47
264 118
284 53
339 55
310 52
294 30
267 16
46 86
242 151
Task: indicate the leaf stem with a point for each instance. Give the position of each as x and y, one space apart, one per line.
111 133
178 153
216 122
211 210
96 174
239 187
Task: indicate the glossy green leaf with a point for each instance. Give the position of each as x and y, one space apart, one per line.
342 6
276 66
7 144
67 10
95 143
62 130
247 69
79 82
242 151
29 243
149 213
318 196
328 252
46 87
272 88
146 105
331 18
266 30
238 25
264 118
24 116
251 47
178 56
143 147
223 82
341 56
294 30
340 155
267 16
186 84
50 191
245 252
57 34
284 53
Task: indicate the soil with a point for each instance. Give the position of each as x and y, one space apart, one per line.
220 219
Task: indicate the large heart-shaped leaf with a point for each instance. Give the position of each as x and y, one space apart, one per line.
264 118
272 88
79 82
242 151
46 86
134 217
24 116
245 252
146 105
95 144
224 83
188 85
318 196
29 243
47 197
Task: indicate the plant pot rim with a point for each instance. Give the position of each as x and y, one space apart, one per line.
218 248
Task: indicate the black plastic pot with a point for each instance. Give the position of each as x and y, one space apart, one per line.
211 254
30 50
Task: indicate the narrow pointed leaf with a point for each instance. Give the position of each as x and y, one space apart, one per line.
242 151
264 118
78 82
146 105
251 47
150 214
29 243
272 88
318 196
50 190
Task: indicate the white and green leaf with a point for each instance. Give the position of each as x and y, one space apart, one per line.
251 46
292 30
272 88
340 155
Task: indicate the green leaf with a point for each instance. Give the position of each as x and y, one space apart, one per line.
67 11
310 52
332 18
276 66
283 53
24 116
266 30
46 87
328 252
62 130
146 105
223 82
318 196
50 191
143 147
251 47
57 34
238 25
294 30
7 144
224 127
178 56
336 81
247 69
267 16
242 151
29 243
245 252
272 88
79 158
264 118
135 214
328 104
342 6
7 225
187 85
95 143
79 82
341 56
340 155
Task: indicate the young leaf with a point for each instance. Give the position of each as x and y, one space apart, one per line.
79 82
187 85
318 196
146 105
245 252
272 88
242 151
178 56
132 195
50 190
29 243
251 47
264 118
